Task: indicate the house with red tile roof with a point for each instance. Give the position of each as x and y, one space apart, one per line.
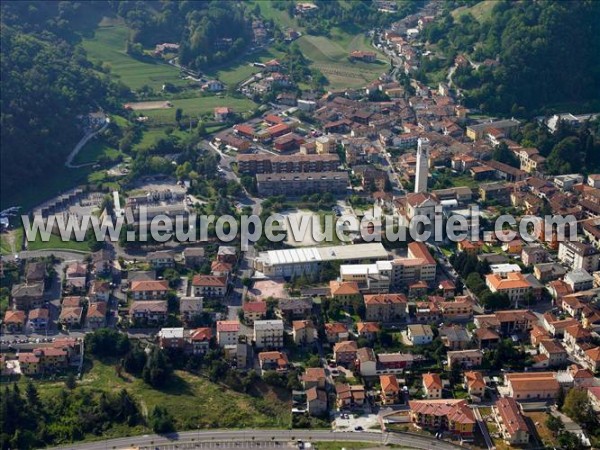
510 421
432 385
149 289
455 416
390 390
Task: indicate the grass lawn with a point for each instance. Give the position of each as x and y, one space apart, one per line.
193 401
481 11
464 180
55 242
538 423
241 68
95 149
198 106
108 46
151 135
281 17
11 241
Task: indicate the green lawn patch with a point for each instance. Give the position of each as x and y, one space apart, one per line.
56 243
481 11
198 106
94 150
241 68
11 241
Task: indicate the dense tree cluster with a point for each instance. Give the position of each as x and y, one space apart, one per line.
355 15
529 55
30 421
209 32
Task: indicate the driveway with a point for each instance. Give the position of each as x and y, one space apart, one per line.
368 422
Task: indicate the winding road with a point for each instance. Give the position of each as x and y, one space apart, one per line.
84 140
188 438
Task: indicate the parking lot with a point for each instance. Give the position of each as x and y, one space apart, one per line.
351 422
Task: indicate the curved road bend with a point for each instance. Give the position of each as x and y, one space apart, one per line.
250 435
84 140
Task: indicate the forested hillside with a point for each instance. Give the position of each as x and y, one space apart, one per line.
527 56
209 32
46 84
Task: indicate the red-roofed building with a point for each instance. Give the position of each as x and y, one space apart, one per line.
454 416
149 289
511 422
209 286
254 311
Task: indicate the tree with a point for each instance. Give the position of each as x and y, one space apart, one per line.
178 115
157 369
579 408
70 382
554 424
504 155
161 421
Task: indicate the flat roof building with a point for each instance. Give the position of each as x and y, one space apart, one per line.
308 260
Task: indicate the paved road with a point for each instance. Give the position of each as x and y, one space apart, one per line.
84 140
180 439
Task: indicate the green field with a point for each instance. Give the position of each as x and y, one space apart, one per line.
198 106
55 243
11 241
330 56
481 11
241 68
93 150
108 46
194 402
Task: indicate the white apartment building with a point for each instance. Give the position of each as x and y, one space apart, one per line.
578 255
268 333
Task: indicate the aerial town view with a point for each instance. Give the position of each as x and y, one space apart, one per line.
322 224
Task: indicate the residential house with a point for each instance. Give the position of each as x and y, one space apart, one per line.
336 332
171 338
227 254
148 312
511 423
385 307
367 330
465 358
344 292
29 363
71 316
35 272
313 377
474 383
194 257
190 308
149 289
268 333
390 391
96 315
227 332
579 280
486 338
199 340
221 269
350 396
419 334
578 255
254 310
531 385
14 321
432 385
99 291
455 337
454 416
316 401
533 255
38 319
551 354
209 286
27 296
344 352
592 359
303 332
290 309
275 360
162 259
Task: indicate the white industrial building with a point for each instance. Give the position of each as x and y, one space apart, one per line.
308 260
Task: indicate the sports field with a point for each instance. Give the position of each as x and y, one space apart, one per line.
108 46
